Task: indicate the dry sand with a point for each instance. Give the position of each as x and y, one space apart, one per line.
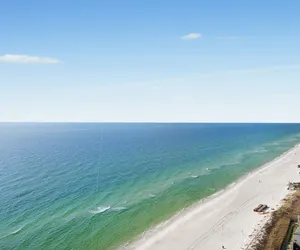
227 218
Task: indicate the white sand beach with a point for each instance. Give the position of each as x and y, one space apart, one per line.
227 218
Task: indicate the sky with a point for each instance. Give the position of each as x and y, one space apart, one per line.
150 61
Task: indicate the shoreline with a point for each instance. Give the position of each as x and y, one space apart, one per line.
182 225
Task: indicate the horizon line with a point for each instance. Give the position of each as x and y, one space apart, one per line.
160 122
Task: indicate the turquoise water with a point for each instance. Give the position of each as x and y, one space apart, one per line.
97 186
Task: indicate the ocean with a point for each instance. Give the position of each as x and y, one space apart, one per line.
100 185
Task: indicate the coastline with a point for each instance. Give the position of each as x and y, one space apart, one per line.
219 224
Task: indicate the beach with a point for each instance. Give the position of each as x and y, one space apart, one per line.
227 219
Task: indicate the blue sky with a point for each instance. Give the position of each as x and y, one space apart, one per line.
150 60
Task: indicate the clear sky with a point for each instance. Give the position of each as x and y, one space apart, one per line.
150 60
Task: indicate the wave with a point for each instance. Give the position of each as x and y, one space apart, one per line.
152 195
232 184
194 176
17 231
118 208
100 209
12 233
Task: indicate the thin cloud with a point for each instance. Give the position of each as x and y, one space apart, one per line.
227 37
191 36
26 59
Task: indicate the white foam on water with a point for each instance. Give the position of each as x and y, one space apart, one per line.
17 231
12 233
118 208
100 210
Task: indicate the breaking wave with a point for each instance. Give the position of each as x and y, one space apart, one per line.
101 209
